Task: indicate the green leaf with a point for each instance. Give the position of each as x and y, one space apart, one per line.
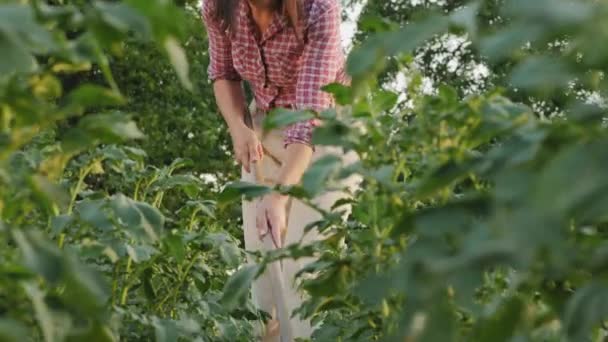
88 95
332 133
179 163
93 213
125 211
373 288
440 324
138 217
93 129
384 100
238 285
18 22
550 12
166 19
165 330
280 118
39 255
383 175
513 186
230 254
110 127
501 116
235 190
95 333
541 73
587 163
141 253
414 34
178 59
330 281
153 221
85 291
42 311
466 17
452 218
319 172
505 42
135 153
148 286
118 154
207 207
329 114
59 223
76 140
176 247
444 176
12 331
366 58
586 310
15 57
342 94
229 251
374 23
190 184
501 324
124 19
48 195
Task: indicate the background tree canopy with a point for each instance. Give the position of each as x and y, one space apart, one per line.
481 132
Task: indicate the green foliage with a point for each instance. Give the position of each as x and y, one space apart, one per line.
477 222
176 123
99 244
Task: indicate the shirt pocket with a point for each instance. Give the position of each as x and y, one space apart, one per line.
289 61
246 62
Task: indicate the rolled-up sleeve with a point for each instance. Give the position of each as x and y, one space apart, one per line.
321 63
220 51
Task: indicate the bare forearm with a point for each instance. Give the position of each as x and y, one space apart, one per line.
296 163
230 99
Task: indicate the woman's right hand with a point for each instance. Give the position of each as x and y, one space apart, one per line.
247 147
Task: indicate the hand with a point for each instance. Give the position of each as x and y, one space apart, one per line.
271 218
247 146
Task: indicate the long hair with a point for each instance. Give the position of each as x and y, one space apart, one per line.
225 12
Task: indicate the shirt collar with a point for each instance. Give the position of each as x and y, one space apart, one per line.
279 22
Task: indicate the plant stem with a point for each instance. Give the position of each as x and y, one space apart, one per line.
83 173
192 219
61 240
115 283
158 199
136 191
180 283
125 289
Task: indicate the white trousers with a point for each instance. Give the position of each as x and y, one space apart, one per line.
275 291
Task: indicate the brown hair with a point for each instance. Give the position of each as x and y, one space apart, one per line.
225 12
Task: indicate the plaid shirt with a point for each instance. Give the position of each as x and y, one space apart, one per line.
282 71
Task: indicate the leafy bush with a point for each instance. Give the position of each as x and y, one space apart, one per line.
478 221
100 244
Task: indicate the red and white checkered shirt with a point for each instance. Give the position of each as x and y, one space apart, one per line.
281 70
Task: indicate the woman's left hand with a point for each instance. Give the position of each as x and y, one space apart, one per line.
271 218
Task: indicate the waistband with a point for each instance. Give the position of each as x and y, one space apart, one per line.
255 110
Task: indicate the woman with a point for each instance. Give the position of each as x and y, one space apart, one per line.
286 50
